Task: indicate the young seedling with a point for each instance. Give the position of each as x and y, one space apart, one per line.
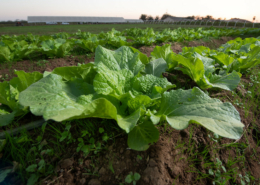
132 178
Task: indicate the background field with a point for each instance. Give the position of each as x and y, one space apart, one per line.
93 28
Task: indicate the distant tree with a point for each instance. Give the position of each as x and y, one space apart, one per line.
191 17
219 18
197 17
143 17
150 18
165 16
157 18
208 17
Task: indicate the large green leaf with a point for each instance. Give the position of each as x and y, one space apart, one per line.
144 59
142 136
252 59
112 82
228 82
181 107
147 85
192 66
166 53
223 58
122 58
208 63
57 100
156 67
5 54
24 80
85 72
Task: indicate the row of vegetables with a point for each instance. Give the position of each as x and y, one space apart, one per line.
16 48
127 86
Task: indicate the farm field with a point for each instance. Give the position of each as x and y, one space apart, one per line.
164 109
92 28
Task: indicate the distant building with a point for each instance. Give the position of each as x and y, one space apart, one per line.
134 20
239 20
174 19
79 19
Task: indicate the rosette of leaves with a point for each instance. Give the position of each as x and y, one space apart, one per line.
119 86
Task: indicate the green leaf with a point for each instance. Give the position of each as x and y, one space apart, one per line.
6 118
147 85
166 53
41 166
8 95
101 130
122 58
24 80
33 179
55 99
85 72
208 63
192 66
144 59
224 58
211 172
32 168
181 107
227 82
252 59
5 54
112 82
129 178
4 173
137 176
127 123
85 149
156 67
142 136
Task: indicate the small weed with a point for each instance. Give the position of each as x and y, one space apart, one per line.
132 178
4 77
218 177
42 63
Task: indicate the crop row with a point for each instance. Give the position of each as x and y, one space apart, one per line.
16 48
127 86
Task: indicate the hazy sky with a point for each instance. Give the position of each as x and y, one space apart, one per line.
131 9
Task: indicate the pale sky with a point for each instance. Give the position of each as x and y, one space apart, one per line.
129 9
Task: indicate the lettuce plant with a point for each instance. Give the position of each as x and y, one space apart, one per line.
119 86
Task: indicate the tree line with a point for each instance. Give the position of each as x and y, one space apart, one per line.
146 17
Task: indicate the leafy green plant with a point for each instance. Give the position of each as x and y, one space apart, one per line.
114 87
132 178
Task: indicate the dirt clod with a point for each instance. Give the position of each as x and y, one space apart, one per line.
94 182
66 163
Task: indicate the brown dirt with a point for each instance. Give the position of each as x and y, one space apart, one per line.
40 65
